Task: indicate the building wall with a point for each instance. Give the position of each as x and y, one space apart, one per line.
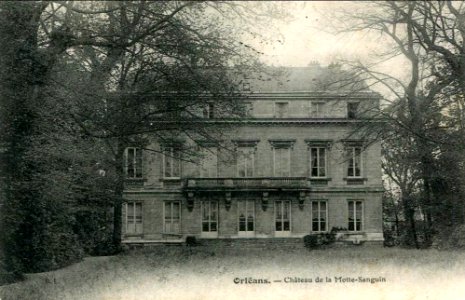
152 190
371 156
301 220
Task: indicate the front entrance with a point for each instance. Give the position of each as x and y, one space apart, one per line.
209 219
246 214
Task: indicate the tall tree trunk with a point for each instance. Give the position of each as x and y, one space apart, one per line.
410 215
118 195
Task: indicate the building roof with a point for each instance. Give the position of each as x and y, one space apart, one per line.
313 78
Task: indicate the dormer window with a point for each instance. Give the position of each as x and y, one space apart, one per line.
352 110
281 109
208 111
318 109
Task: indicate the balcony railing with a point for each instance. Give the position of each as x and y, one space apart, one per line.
247 183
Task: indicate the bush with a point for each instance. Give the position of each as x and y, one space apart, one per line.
191 241
313 241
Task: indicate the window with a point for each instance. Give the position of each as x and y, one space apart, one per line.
133 218
133 165
282 162
245 161
248 107
209 162
352 110
283 216
246 213
246 86
319 216
281 109
171 162
209 111
317 162
355 215
318 109
354 168
172 217
209 216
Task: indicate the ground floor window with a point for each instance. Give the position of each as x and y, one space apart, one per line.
246 213
134 218
283 215
210 216
172 217
319 216
355 215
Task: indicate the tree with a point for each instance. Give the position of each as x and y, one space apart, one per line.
127 54
426 107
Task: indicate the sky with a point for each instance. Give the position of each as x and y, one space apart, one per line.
309 36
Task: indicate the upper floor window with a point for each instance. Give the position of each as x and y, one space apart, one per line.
282 156
209 111
317 162
352 110
245 161
133 162
209 162
171 162
318 109
282 162
281 109
355 215
354 164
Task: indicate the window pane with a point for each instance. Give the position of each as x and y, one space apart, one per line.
286 226
322 162
130 212
167 160
358 212
138 212
130 163
138 163
175 212
213 226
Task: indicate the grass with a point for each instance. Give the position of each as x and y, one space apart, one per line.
178 273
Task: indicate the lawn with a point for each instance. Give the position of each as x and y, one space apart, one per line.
180 273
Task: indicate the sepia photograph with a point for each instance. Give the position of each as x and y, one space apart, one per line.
232 150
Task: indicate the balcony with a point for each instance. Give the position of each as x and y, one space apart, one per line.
246 183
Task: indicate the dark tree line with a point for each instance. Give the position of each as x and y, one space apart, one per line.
423 133
80 82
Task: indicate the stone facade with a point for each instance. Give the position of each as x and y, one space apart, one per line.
291 167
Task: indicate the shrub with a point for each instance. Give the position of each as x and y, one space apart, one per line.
191 241
313 241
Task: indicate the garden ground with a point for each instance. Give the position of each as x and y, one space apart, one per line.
201 273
